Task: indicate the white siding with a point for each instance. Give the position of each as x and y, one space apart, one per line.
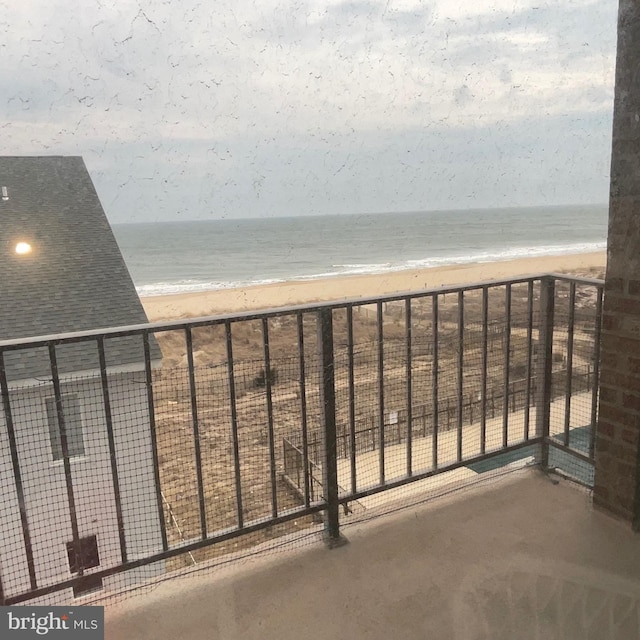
45 492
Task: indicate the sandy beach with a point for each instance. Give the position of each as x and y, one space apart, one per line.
300 292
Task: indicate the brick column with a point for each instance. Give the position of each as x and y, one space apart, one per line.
617 479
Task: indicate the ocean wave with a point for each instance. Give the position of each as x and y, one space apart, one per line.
196 286
360 265
352 269
513 253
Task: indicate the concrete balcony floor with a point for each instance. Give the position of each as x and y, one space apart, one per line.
517 557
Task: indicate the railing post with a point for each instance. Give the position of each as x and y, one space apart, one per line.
333 538
544 366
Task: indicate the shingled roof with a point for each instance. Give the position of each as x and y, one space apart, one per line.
74 279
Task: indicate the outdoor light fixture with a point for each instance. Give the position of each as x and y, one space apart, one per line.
23 248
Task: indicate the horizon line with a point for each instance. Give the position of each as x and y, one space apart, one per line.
368 213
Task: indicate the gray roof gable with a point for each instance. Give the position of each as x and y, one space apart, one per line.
75 277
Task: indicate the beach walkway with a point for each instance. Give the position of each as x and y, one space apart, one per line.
395 456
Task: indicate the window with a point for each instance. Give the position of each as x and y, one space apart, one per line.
72 425
85 557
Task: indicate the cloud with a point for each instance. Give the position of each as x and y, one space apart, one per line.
243 108
540 159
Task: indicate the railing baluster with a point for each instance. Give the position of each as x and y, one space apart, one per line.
64 445
528 381
434 381
328 408
272 451
596 373
154 439
460 381
113 460
381 429
544 355
196 431
569 376
507 365
352 404
409 380
234 425
303 407
483 392
17 474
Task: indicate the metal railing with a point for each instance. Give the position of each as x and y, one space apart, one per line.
367 431
436 380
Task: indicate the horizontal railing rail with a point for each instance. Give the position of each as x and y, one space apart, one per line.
220 319
130 448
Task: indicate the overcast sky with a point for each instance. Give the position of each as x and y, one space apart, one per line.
191 110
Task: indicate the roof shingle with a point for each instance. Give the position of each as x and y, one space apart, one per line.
74 279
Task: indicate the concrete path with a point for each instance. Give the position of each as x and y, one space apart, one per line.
368 464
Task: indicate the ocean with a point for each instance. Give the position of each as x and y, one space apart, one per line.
180 257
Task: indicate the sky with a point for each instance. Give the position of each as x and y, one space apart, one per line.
197 110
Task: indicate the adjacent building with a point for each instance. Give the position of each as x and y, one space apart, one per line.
62 271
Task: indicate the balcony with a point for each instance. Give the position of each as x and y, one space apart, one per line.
517 557
259 430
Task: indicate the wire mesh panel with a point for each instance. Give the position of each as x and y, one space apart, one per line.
245 407
218 435
575 377
465 360
84 478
